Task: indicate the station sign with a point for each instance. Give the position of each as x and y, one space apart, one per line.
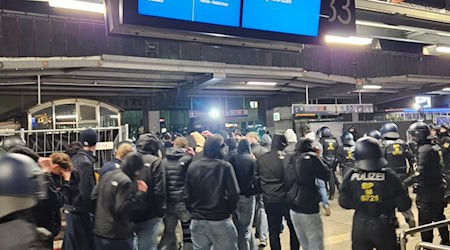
107 145
225 113
331 109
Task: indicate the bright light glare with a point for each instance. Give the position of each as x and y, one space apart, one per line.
372 86
262 83
416 106
214 113
442 49
78 5
63 117
114 116
351 40
446 89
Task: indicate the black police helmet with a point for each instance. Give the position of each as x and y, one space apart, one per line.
369 155
390 130
375 134
434 127
325 132
21 183
347 138
446 126
12 141
419 132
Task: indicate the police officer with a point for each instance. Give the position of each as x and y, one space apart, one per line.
11 142
374 192
345 153
444 142
375 134
330 145
430 182
399 158
20 191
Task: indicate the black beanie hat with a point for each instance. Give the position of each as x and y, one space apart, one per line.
88 137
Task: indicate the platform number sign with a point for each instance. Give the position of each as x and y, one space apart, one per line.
340 17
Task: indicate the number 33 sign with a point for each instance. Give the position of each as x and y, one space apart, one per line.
341 16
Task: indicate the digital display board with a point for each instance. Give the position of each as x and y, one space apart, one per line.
300 17
220 12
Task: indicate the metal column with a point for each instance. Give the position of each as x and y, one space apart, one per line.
39 88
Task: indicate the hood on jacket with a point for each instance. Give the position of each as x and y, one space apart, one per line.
199 140
148 144
279 143
231 143
291 137
175 153
244 147
132 164
266 140
214 147
304 145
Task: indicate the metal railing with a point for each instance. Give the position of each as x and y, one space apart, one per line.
420 229
430 246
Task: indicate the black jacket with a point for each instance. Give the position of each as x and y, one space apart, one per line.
244 165
117 198
154 203
373 193
270 173
82 181
47 212
258 150
302 178
345 158
211 187
175 164
397 153
109 166
445 145
19 235
330 146
429 174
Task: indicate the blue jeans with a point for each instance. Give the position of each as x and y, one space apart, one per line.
262 226
221 235
243 219
147 234
110 244
323 191
309 230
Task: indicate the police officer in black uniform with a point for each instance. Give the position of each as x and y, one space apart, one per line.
444 142
20 191
345 156
374 192
375 134
400 159
330 146
430 182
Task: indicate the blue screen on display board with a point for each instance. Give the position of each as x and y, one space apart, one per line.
220 12
299 17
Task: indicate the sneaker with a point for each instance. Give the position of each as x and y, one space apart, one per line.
327 210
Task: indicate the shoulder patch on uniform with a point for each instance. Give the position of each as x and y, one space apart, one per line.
114 183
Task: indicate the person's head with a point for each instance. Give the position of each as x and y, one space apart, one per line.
252 137
304 145
375 134
444 129
61 161
325 132
231 143
199 140
419 133
11 142
191 141
369 154
181 142
266 141
123 149
214 146
73 148
132 164
434 129
89 139
389 131
348 139
167 137
279 143
291 136
244 147
148 144
21 184
25 151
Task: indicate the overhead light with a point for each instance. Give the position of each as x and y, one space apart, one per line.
78 5
446 89
65 117
436 50
214 113
372 86
262 83
114 116
351 40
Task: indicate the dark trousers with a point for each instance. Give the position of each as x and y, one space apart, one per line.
334 183
78 234
275 213
369 233
110 244
432 212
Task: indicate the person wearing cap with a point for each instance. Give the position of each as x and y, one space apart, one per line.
20 191
57 172
79 209
374 192
123 149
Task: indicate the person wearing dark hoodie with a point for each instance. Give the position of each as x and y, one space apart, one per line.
232 145
244 165
175 164
123 149
271 178
119 193
266 141
303 195
148 216
211 196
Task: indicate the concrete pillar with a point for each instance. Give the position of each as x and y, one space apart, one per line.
153 122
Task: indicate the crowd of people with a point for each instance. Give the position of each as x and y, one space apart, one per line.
219 186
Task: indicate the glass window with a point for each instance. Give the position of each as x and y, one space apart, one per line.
87 113
42 119
66 116
254 104
108 118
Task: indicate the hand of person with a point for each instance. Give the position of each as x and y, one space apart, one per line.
66 173
46 164
142 186
190 151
